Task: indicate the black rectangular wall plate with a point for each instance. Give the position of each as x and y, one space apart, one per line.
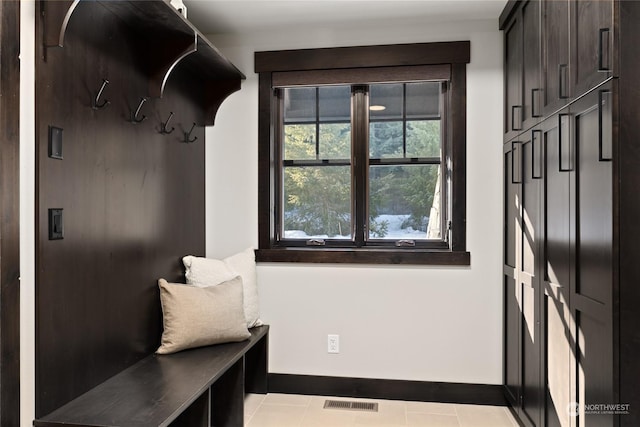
55 142
56 224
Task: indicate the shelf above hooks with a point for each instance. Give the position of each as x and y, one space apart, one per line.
57 15
166 41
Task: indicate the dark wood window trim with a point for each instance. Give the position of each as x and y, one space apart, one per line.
328 63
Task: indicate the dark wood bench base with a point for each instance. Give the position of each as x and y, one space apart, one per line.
199 387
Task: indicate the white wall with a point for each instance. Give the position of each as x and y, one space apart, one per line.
408 323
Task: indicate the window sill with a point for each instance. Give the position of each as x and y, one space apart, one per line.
364 256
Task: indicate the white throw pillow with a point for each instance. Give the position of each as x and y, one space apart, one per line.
209 272
206 272
195 317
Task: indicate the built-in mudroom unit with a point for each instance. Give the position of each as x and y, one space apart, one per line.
123 92
571 156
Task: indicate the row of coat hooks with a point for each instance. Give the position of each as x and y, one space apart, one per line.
165 131
135 117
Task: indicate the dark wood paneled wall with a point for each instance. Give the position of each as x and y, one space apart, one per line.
132 199
9 213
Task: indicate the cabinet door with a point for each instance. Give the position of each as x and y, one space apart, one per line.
531 59
591 297
529 275
512 289
555 52
557 270
592 43
513 78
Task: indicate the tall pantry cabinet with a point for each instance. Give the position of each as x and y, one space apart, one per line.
572 211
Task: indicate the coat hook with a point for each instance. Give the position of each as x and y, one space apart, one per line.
187 135
134 117
163 126
94 103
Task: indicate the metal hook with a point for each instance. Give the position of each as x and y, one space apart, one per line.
187 135
163 126
94 103
134 117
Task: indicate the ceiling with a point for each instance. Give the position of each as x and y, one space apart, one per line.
244 16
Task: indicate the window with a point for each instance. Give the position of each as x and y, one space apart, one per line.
361 154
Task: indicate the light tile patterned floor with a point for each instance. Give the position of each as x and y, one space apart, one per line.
289 410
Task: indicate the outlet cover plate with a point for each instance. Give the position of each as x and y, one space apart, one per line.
333 343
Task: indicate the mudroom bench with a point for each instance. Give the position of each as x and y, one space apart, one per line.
199 387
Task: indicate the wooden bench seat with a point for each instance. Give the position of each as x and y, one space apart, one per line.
198 387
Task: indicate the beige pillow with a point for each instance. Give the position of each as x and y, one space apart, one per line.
195 317
207 272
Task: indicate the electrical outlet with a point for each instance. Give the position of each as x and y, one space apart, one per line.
333 344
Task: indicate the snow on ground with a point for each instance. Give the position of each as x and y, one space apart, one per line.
394 230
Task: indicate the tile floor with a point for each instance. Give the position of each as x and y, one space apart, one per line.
288 410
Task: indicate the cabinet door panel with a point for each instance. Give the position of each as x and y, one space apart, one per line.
530 205
592 43
512 333
594 207
530 281
513 77
555 26
511 206
558 345
531 403
512 292
592 293
531 59
558 354
595 369
557 230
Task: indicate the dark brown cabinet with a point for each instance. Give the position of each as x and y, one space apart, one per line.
592 51
556 258
555 54
531 55
529 276
522 274
522 69
572 324
511 289
577 260
592 288
577 49
559 264
513 77
555 50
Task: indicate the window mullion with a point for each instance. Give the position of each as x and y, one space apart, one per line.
404 120
360 173
317 123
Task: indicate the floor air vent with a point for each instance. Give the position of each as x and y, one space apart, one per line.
352 406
